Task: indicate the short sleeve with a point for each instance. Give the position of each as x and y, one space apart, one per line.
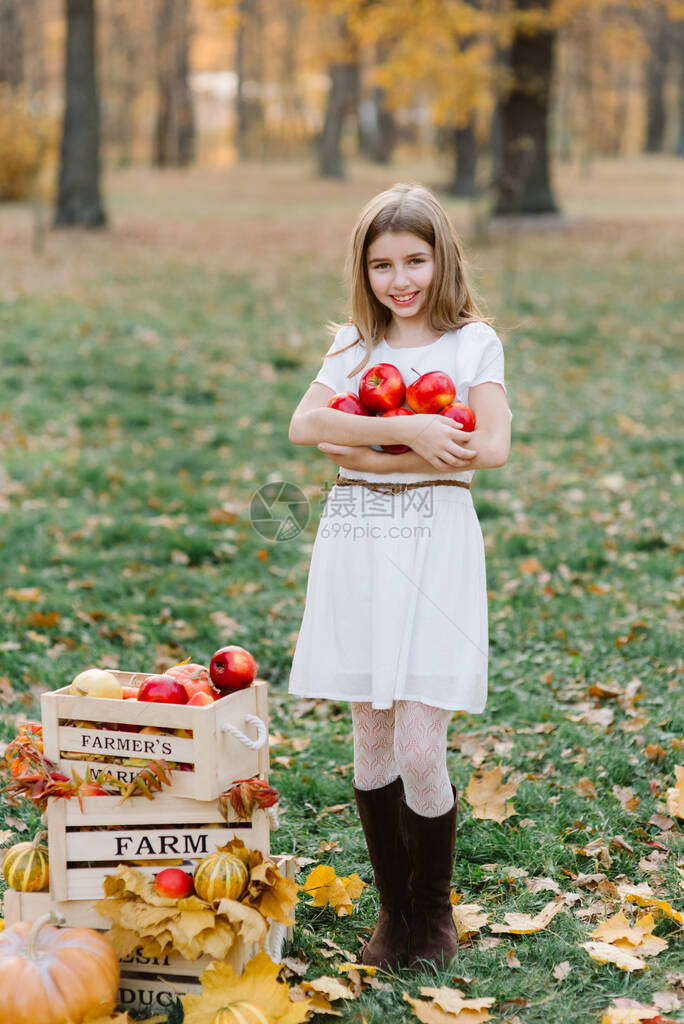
485 357
334 369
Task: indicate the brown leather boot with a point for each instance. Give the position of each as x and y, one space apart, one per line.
379 813
430 843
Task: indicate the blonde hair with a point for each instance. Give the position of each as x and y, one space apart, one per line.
449 301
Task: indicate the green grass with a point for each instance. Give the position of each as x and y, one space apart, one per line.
139 416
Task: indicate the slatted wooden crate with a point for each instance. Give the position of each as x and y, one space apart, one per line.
84 846
145 983
222 746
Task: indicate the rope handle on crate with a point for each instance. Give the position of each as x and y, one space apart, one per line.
262 732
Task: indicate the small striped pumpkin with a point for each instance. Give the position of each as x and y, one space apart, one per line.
26 866
221 876
242 1013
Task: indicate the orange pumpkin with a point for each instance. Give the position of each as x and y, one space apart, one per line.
242 1012
221 876
55 975
26 866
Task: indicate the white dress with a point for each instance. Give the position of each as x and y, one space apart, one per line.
396 600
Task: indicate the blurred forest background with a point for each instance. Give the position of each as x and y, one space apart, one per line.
500 89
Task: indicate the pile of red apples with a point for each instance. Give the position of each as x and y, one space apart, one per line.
382 392
231 668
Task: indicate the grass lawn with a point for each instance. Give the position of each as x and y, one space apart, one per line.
148 378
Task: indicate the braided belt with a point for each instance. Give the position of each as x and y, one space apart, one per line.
390 488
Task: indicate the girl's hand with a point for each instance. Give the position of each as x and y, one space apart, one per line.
346 455
438 440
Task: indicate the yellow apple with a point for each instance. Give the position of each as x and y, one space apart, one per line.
96 682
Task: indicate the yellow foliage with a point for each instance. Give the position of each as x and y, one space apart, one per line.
160 925
448 1006
489 798
258 984
24 142
327 889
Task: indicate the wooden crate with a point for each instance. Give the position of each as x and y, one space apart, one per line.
84 846
213 756
145 983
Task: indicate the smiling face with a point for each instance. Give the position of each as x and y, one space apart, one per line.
400 268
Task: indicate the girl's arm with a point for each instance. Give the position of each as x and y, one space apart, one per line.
318 424
487 446
355 457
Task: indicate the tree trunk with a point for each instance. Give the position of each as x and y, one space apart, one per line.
342 99
249 111
680 90
502 57
465 160
11 43
524 185
174 137
377 128
656 69
377 125
78 199
123 64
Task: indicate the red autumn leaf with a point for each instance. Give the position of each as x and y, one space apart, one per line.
245 795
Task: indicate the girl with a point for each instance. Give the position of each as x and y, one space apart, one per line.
395 619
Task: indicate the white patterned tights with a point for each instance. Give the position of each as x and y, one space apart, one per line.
408 739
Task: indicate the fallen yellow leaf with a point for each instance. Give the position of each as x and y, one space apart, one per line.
325 888
449 1007
488 797
607 953
258 985
524 924
469 918
675 794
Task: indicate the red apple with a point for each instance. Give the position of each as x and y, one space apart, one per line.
431 392
174 883
382 388
162 690
460 413
347 401
397 449
200 699
232 668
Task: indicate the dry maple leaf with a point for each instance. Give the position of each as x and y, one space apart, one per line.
638 937
258 984
448 1006
644 896
331 988
469 918
608 953
675 794
585 787
627 797
325 888
628 1011
488 797
525 924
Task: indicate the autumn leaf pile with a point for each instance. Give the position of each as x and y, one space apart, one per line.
191 927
